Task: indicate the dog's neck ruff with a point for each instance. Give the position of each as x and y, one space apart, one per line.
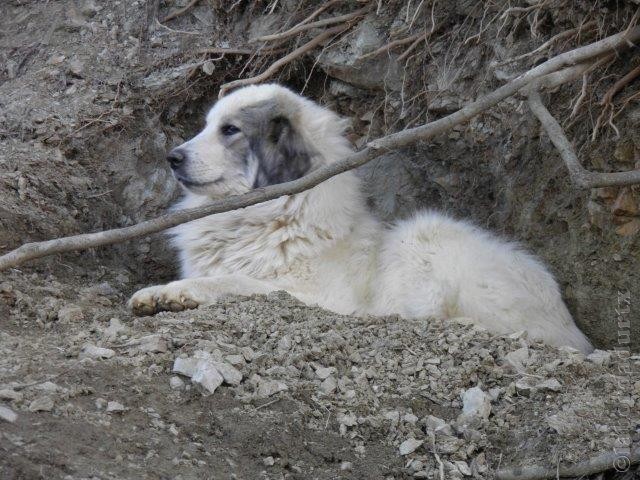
266 240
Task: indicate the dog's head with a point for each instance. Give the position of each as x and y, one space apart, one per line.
258 136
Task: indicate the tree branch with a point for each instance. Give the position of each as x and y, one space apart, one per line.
31 251
579 175
599 463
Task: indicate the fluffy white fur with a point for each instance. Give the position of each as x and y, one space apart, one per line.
325 248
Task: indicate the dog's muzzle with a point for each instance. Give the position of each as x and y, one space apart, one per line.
176 158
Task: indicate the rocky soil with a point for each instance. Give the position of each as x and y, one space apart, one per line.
92 95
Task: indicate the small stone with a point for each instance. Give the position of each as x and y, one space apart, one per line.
96 353
185 366
550 385
438 426
41 404
267 388
70 314
111 332
231 375
248 353
346 466
523 387
284 344
328 386
476 403
625 203
235 360
176 383
630 228
463 468
600 357
7 414
518 359
207 377
10 394
100 403
409 446
268 461
347 419
149 344
115 407
323 372
410 418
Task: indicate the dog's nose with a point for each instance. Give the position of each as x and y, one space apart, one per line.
176 157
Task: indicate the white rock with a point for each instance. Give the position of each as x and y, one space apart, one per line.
410 418
518 359
110 333
235 360
284 344
268 461
348 419
70 314
185 366
231 375
41 404
266 388
115 407
96 353
149 344
10 394
551 385
346 466
328 385
100 403
207 377
49 387
476 403
324 372
463 468
176 383
600 357
523 387
409 446
438 426
7 414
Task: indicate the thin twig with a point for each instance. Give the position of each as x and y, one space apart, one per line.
315 13
31 251
298 52
597 464
180 11
607 100
579 175
551 41
320 23
392 45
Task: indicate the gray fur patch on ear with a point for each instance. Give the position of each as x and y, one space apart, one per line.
281 152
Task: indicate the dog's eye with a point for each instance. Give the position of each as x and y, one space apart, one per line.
229 130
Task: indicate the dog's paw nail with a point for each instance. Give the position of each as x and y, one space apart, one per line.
190 304
143 309
174 306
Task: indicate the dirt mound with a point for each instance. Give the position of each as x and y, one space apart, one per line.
269 384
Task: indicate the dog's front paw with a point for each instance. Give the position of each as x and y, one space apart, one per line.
171 297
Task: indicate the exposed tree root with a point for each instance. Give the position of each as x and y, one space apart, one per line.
31 251
607 101
591 466
180 11
308 26
392 45
585 27
579 175
298 52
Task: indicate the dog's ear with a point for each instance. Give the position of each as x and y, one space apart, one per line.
282 153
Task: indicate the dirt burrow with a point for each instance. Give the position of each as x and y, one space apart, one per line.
92 95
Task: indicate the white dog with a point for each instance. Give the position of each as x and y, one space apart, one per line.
323 246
